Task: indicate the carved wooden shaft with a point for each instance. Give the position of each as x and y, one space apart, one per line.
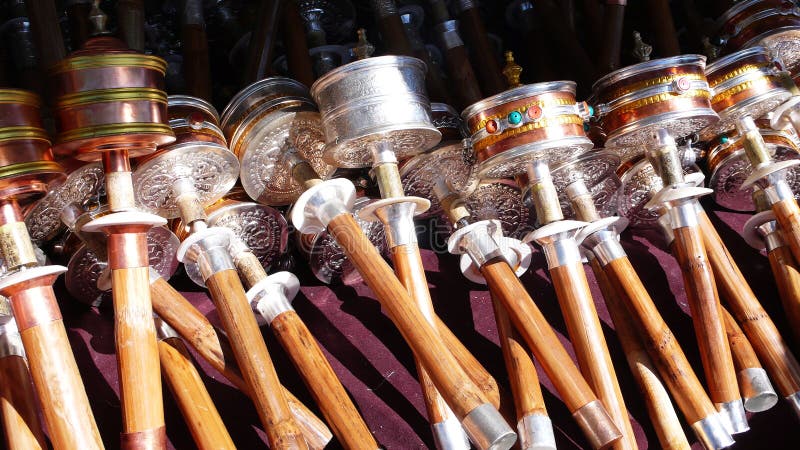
199 412
770 347
448 376
406 261
18 406
787 277
214 347
542 341
294 38
788 215
254 360
656 398
663 348
701 293
586 334
521 371
487 67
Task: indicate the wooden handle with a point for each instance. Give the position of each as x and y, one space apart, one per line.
666 38
46 32
661 344
770 347
466 90
137 353
262 42
703 299
487 68
659 407
79 26
538 334
474 369
254 360
322 382
521 372
213 347
196 66
787 277
744 357
788 215
450 379
130 15
586 334
390 26
613 19
18 406
62 398
294 38
199 412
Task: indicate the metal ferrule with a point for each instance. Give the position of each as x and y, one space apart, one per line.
605 246
598 427
487 429
119 189
582 201
191 210
481 246
733 416
754 146
449 435
665 225
398 223
163 330
562 250
543 193
271 302
794 402
778 190
536 433
773 237
712 433
10 339
211 255
683 214
16 247
663 155
757 392
447 34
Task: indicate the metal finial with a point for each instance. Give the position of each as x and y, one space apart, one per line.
711 50
363 49
641 51
512 70
98 19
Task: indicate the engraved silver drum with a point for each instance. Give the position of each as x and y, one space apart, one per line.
596 170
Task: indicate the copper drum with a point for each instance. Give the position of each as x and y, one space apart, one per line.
670 93
326 258
199 153
373 100
728 167
775 24
27 166
109 98
263 123
535 121
745 83
446 119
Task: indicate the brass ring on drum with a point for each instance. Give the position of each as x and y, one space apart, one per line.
554 121
113 130
29 167
667 79
112 95
104 61
17 96
19 133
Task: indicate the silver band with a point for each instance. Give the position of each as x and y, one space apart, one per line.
481 246
563 250
605 246
683 214
398 222
487 429
536 433
733 416
447 33
712 433
10 339
449 435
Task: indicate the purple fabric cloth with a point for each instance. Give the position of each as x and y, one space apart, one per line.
377 368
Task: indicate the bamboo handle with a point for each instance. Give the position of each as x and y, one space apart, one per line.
788 214
787 277
254 360
488 70
661 344
538 334
701 293
213 347
137 358
18 406
613 20
199 412
474 369
294 38
62 398
322 382
448 376
586 334
770 347
659 407
521 372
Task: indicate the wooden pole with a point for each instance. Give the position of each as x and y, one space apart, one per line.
788 214
18 402
787 277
